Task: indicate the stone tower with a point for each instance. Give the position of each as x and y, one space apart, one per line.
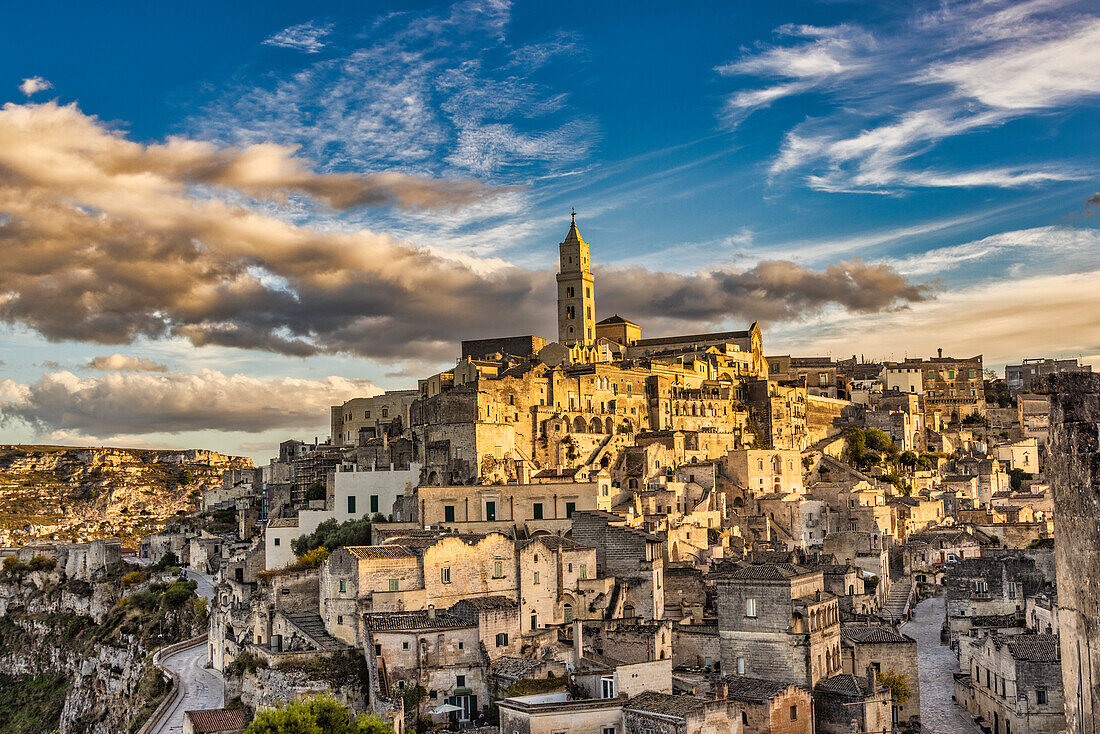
576 302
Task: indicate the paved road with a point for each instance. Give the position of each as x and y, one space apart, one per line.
936 665
205 583
202 688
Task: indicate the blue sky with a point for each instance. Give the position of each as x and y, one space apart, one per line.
872 178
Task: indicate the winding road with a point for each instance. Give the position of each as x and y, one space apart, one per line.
936 666
202 688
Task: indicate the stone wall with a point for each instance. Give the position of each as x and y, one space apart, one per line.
1074 472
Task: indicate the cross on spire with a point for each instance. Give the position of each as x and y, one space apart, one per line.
574 212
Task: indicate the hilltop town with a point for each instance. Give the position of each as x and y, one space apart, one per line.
614 532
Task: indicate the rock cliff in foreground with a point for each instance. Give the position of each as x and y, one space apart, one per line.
79 494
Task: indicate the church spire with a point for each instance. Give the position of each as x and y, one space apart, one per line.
576 302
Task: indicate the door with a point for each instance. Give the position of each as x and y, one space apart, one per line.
490 511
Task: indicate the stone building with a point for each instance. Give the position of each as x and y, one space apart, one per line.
1013 683
950 388
989 586
436 650
846 703
361 419
634 558
662 713
560 713
552 572
1074 472
884 650
538 505
770 706
1029 374
777 621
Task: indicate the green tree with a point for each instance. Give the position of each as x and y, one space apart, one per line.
315 491
333 535
322 715
878 440
908 460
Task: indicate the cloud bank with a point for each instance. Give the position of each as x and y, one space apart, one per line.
146 402
106 240
125 363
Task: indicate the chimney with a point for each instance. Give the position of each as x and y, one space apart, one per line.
939 352
578 643
431 611
871 679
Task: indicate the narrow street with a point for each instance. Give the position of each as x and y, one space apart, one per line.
936 665
202 688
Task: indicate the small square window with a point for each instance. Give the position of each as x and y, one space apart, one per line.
460 681
277 541
404 646
750 607
343 586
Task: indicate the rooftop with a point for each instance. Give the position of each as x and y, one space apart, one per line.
744 688
218 720
1034 648
664 703
413 621
874 635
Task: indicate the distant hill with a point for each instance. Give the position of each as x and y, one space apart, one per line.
77 494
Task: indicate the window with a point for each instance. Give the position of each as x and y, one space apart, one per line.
1041 696
448 513
277 541
740 666
367 414
536 578
498 569
607 687
750 607
462 646
609 730
343 586
351 504
460 681
972 377
404 646
744 719
502 639
385 412
374 503
569 507
445 574
537 510
490 511
393 584
584 570
339 619
794 713
567 612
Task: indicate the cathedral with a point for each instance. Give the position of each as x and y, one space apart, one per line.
517 406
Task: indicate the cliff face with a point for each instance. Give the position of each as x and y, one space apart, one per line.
80 494
80 633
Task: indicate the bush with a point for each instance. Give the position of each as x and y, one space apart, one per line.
131 579
168 560
42 563
323 715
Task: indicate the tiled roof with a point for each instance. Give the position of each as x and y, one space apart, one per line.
1034 648
486 603
745 688
218 720
513 667
874 634
412 621
770 572
845 683
664 703
283 522
375 552
556 542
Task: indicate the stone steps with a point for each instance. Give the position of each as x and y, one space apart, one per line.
312 626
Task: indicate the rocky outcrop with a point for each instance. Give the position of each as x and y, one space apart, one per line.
53 626
80 494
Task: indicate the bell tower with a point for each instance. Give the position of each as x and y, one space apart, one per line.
576 301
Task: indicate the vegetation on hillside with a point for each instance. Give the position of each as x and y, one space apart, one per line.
31 704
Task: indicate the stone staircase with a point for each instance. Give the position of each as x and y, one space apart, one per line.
896 608
311 626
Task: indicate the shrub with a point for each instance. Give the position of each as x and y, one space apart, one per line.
322 715
131 579
333 535
898 683
315 491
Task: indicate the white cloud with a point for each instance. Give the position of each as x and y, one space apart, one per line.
125 363
34 85
136 403
1037 246
1030 75
305 37
963 70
